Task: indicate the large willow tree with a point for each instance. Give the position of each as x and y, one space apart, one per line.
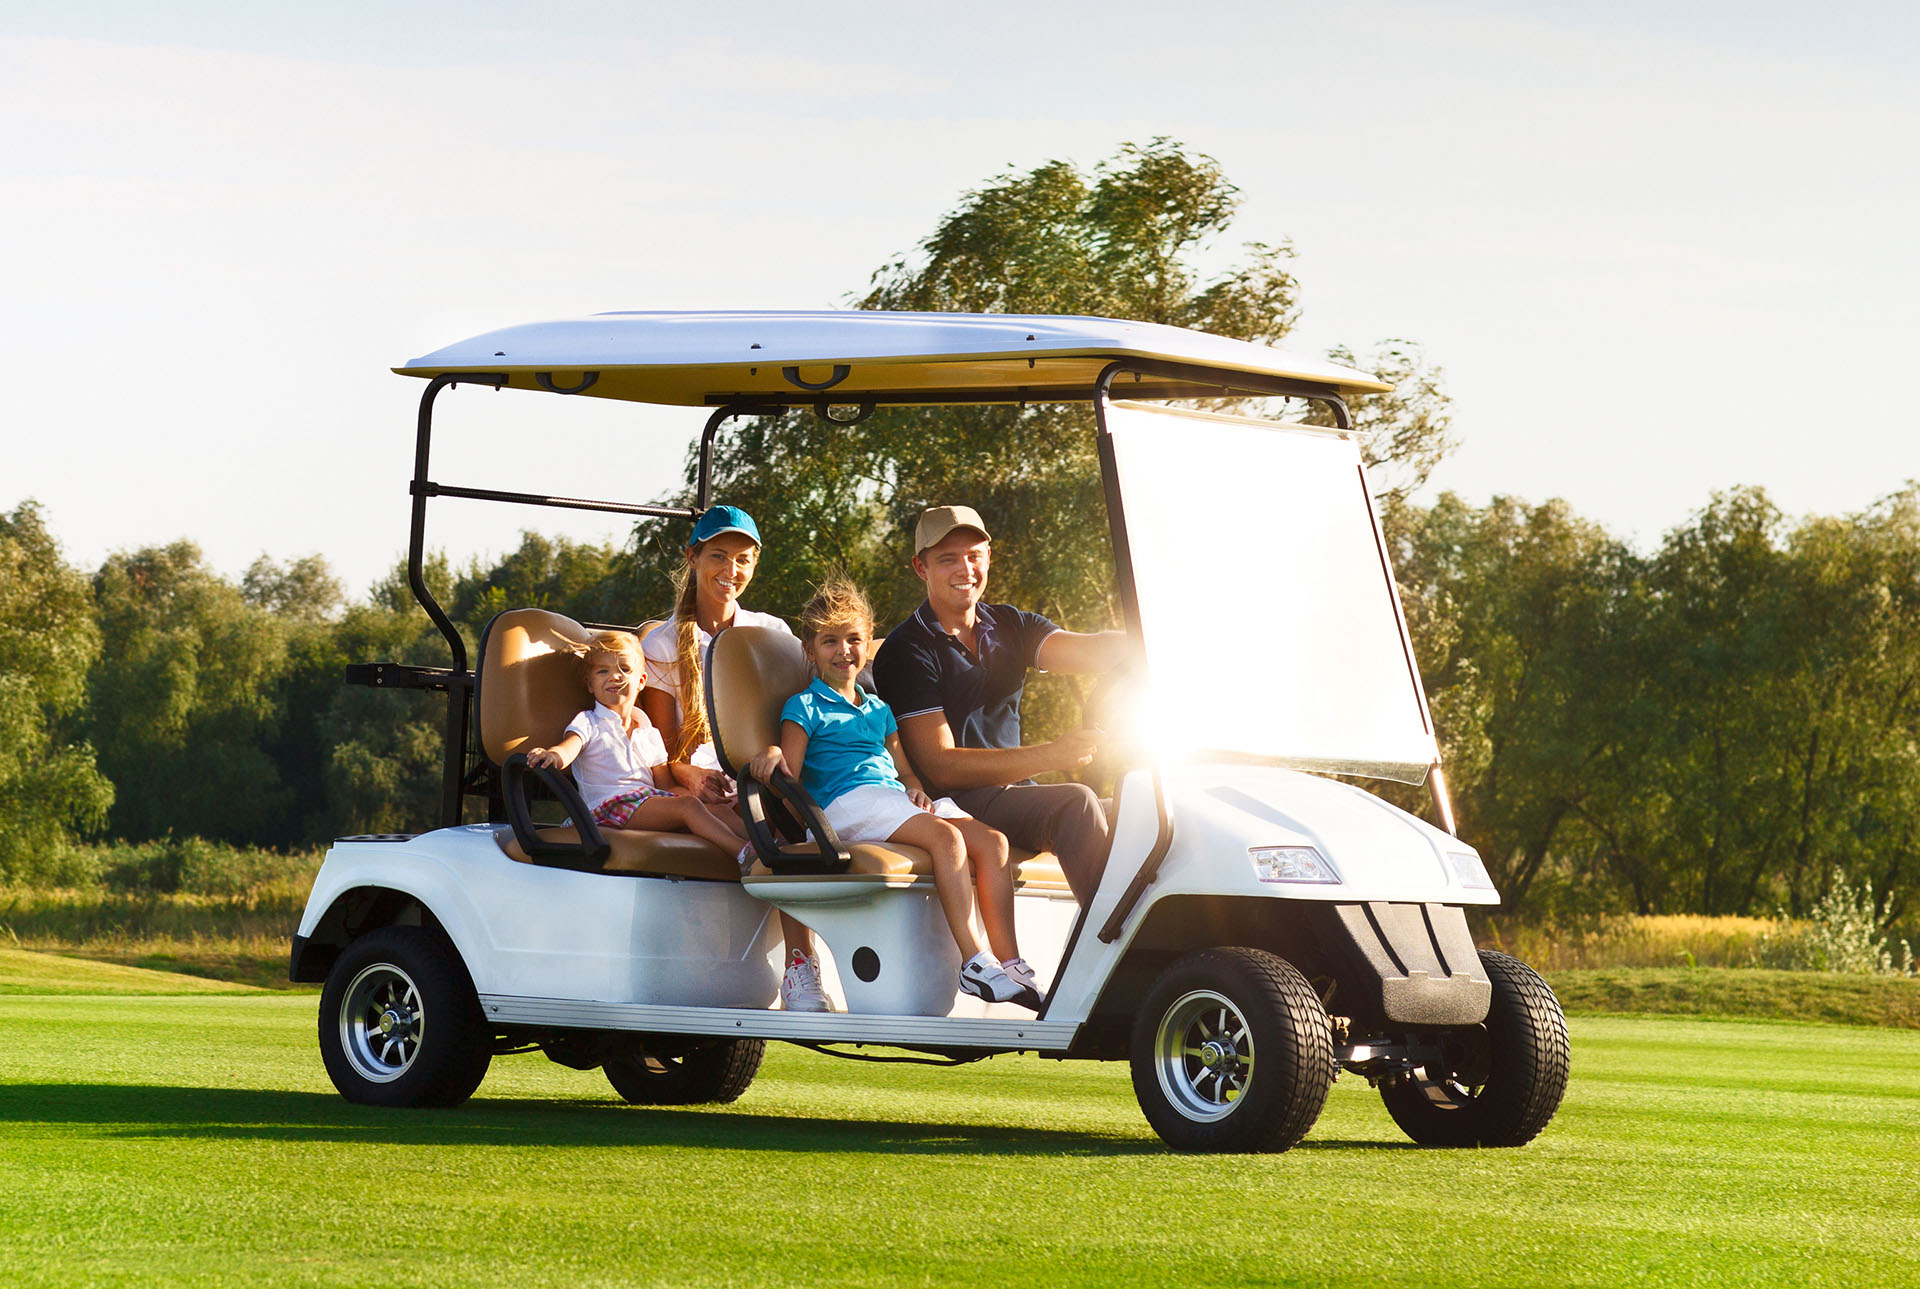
1123 241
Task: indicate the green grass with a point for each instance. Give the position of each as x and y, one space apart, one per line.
195 1140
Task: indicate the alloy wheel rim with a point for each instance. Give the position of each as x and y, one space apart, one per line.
382 1023
1203 1055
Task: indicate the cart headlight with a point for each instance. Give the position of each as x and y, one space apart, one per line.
1471 872
1293 864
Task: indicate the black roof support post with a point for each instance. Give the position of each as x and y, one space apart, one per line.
460 683
703 490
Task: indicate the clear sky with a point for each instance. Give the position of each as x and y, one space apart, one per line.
1658 248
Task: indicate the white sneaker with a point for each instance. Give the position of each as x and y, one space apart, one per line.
984 978
800 989
1021 973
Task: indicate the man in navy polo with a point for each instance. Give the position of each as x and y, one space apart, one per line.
953 674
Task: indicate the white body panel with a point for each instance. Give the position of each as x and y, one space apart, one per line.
525 930
1015 1031
890 942
552 947
1380 851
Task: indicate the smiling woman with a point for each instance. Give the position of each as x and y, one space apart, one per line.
721 556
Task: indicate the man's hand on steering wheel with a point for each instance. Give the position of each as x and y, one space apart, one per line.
1106 714
1076 748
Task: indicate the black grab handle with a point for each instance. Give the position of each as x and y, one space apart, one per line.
590 852
765 807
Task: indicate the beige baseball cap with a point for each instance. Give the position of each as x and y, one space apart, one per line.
937 521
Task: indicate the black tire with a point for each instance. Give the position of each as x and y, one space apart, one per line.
435 1046
1502 1081
711 1075
1232 1052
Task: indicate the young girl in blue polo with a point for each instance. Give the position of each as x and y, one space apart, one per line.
841 742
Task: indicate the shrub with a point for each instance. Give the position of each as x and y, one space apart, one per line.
1839 934
54 864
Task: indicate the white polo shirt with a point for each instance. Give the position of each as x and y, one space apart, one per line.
611 760
662 647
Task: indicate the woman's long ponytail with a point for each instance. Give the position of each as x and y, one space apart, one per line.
687 664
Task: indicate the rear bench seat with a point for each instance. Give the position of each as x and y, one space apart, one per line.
530 684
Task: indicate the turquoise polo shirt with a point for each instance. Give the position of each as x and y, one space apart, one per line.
846 745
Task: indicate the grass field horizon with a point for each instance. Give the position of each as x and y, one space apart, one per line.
194 1138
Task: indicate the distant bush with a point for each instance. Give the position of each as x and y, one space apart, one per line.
56 865
1841 933
196 866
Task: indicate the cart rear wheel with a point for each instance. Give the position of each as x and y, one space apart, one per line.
1498 1084
399 1022
714 1074
1232 1051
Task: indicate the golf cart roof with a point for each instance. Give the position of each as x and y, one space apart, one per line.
711 358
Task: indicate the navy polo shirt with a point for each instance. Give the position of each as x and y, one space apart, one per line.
923 669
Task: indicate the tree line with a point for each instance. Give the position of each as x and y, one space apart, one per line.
1724 724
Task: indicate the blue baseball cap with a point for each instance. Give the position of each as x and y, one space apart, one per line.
724 519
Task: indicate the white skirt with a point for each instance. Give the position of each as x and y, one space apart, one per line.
874 813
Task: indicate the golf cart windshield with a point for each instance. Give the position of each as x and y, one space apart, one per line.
1267 610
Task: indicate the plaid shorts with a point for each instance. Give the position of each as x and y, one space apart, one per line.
616 810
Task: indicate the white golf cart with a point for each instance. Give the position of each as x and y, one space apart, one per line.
1260 924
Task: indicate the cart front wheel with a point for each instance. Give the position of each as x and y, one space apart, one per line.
1232 1051
1497 1084
399 1022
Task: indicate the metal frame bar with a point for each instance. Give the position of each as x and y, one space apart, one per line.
1193 382
703 491
417 533
431 489
460 680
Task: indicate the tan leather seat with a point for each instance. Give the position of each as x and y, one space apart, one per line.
531 684
670 854
1042 871
751 673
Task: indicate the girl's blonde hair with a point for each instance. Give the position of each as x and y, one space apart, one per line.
837 601
612 642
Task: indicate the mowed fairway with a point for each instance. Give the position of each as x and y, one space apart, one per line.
195 1140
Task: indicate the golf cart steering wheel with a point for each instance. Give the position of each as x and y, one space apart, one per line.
1102 709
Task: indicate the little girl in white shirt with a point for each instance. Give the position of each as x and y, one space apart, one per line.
614 751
